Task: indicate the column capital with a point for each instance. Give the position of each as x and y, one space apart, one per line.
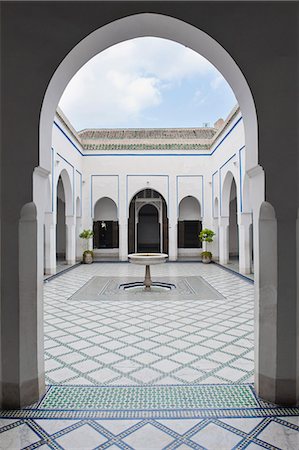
50 218
245 219
70 220
223 221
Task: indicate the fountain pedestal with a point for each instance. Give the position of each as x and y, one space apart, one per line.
147 278
147 260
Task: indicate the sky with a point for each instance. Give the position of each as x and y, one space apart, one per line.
147 83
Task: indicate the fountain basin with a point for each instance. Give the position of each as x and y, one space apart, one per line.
147 260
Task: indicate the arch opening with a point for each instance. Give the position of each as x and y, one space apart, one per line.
189 227
105 228
60 223
233 224
148 223
168 28
156 25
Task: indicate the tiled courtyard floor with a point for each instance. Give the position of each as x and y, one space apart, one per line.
142 341
146 373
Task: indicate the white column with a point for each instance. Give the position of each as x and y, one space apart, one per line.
70 224
79 241
173 246
223 240
173 220
50 243
123 219
244 222
123 241
215 245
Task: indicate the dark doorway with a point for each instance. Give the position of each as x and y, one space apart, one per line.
188 232
148 223
233 223
148 230
60 225
105 234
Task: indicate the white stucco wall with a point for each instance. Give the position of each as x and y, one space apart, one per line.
105 209
175 175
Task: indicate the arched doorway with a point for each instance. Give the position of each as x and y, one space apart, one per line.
60 224
233 234
169 28
189 227
148 223
105 228
216 228
148 229
79 247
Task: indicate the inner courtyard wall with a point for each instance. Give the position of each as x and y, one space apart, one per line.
119 175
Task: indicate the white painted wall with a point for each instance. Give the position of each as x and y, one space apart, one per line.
105 209
120 175
189 209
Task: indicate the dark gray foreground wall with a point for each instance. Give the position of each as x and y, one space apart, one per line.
36 36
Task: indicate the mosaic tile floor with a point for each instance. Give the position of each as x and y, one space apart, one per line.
151 418
134 342
136 375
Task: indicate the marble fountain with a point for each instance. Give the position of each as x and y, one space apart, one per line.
148 260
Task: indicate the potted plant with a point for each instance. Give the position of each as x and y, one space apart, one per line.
87 254
206 236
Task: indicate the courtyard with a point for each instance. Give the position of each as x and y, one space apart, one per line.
146 371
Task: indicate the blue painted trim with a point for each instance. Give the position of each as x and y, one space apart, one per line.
213 196
202 192
53 177
74 181
73 168
147 154
177 197
241 178
203 198
220 194
63 158
62 272
238 274
221 167
68 138
80 191
91 197
91 192
220 187
229 132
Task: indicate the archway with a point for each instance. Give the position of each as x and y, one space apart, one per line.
60 224
105 228
216 228
79 247
148 229
189 227
148 223
159 26
233 224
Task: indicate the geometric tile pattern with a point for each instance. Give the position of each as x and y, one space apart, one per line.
137 346
114 398
133 342
263 429
111 288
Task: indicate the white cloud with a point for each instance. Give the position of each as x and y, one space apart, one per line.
217 81
125 80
